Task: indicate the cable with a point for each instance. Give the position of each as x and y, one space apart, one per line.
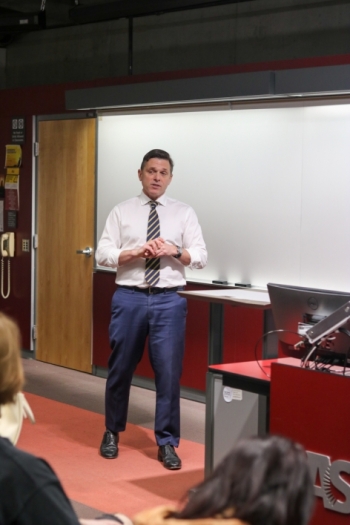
325 363
304 361
267 334
8 277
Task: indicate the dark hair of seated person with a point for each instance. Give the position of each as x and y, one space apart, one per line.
262 481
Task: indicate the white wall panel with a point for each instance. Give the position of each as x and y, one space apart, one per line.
325 234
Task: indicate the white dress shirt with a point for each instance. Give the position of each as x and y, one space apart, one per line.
126 229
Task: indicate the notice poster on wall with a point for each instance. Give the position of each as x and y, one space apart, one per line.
18 130
13 158
12 192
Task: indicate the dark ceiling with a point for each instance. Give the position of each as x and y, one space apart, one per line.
57 11
19 16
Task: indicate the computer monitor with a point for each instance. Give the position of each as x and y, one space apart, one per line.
296 309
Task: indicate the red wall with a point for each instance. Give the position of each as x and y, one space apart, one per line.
18 303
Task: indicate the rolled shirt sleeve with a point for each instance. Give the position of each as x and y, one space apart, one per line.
109 246
194 243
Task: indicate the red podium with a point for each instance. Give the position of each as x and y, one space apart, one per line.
313 408
309 406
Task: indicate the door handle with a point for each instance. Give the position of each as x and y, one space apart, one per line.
87 252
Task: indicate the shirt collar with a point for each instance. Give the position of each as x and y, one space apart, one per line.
145 200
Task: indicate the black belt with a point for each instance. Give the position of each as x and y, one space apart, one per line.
151 290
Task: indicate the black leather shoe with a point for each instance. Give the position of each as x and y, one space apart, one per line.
169 458
109 445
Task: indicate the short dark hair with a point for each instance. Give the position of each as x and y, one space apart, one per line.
262 480
158 154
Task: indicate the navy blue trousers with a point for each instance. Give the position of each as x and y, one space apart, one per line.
161 317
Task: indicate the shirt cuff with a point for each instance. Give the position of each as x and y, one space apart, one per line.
196 260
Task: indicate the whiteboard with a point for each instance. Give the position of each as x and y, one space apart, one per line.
270 186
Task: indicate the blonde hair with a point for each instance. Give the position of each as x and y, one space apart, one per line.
11 370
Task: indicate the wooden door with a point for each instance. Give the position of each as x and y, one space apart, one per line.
65 224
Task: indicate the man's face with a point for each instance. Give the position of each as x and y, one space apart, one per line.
155 177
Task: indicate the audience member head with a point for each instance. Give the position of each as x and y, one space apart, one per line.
261 481
11 370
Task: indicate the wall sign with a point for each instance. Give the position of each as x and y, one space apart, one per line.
11 220
18 130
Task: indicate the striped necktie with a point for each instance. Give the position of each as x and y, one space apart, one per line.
153 232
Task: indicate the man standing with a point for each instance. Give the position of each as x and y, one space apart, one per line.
149 239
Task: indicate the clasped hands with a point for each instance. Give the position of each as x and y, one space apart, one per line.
157 248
